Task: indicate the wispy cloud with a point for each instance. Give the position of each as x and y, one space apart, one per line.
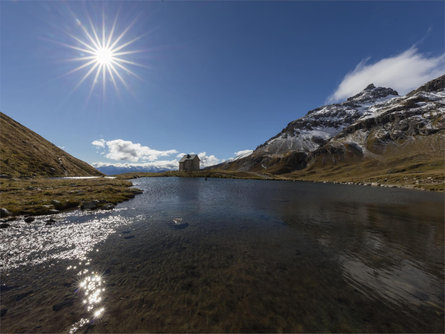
126 150
100 143
403 72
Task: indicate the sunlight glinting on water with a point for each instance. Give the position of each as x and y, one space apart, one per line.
35 243
91 287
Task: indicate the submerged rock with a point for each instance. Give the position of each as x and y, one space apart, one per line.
3 311
67 302
29 219
4 225
20 296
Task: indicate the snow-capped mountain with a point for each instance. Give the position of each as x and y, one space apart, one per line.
319 125
360 126
394 123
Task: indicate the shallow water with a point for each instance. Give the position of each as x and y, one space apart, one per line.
247 256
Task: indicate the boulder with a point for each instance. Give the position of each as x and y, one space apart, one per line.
57 204
4 212
89 205
108 206
49 222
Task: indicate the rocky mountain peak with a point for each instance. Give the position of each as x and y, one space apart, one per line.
372 93
435 85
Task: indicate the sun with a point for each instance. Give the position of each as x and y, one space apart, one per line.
103 54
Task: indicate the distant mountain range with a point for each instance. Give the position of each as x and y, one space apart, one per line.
24 153
376 126
111 169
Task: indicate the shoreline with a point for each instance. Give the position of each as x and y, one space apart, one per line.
30 197
47 196
370 181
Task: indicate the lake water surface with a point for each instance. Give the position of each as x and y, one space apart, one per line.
250 256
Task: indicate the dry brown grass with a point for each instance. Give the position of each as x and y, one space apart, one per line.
34 196
416 164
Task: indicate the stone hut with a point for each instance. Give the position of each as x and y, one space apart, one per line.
189 163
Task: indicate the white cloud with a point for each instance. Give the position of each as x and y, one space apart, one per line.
119 149
403 72
100 143
135 155
207 160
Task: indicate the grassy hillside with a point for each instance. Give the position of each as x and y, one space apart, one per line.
417 163
24 153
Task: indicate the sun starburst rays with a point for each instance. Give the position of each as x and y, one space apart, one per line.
103 54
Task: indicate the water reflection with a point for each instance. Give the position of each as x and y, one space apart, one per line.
405 284
387 251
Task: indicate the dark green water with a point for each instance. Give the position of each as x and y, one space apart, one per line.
252 256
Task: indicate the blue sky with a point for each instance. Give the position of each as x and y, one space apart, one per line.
216 77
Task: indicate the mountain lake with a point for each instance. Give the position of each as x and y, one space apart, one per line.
222 255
